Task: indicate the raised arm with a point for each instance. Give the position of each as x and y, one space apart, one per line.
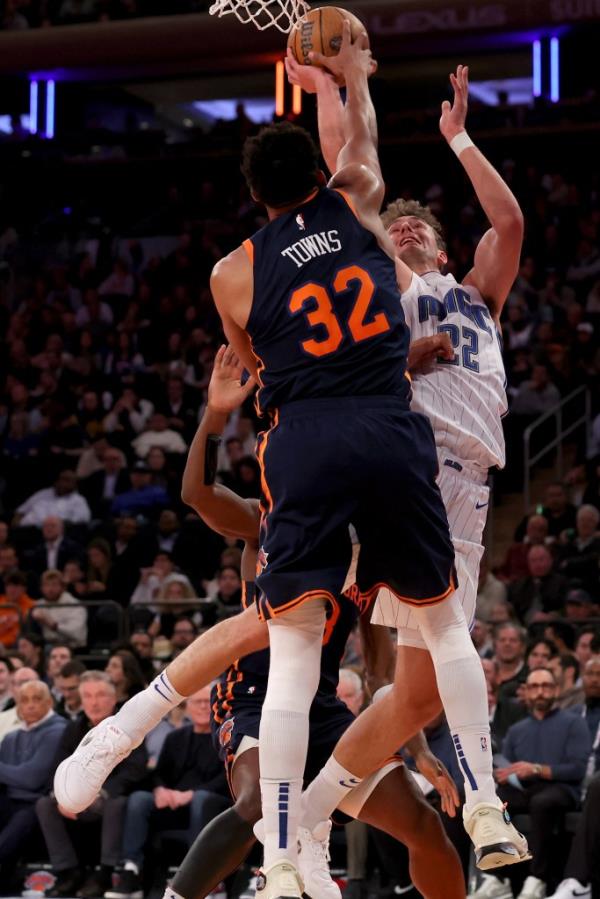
222 509
497 255
358 169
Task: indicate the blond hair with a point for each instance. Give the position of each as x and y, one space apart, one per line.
400 208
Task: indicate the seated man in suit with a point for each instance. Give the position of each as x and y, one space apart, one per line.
98 700
101 487
26 769
190 789
54 550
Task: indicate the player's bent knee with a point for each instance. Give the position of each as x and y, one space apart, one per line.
248 805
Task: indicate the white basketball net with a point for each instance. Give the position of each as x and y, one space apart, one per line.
281 14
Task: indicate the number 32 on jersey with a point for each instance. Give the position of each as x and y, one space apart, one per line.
321 314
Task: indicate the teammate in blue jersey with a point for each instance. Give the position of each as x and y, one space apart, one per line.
311 306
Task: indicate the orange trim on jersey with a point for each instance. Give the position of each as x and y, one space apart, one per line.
310 197
408 377
261 462
369 595
249 248
348 199
288 606
331 622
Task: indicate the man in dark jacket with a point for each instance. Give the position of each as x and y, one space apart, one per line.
190 789
98 700
545 762
26 768
542 592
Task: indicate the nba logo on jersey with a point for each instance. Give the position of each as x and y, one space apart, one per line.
484 744
300 222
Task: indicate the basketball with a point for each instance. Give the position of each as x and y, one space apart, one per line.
320 30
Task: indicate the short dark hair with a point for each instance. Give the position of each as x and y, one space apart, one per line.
74 668
16 578
8 662
400 208
568 660
549 644
281 164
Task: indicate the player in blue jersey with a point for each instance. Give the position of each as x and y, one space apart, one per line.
311 306
388 800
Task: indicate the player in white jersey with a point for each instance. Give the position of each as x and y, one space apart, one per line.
464 399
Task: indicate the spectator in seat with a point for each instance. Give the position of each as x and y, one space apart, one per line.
184 633
561 633
62 500
536 396
98 568
58 656
31 649
547 752
130 552
583 646
101 487
98 700
579 551
15 593
180 413
542 593
515 565
143 497
565 668
26 768
582 874
482 639
158 433
228 598
6 694
557 510
142 647
9 564
125 674
190 789
9 718
154 579
92 459
55 550
67 684
579 606
62 618
129 414
509 653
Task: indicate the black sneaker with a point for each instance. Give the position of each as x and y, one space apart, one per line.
129 887
67 883
96 884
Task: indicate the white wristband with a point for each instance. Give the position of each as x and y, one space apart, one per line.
461 142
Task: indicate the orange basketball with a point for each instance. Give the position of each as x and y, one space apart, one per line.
320 30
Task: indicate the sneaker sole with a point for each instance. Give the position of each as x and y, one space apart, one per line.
498 854
111 894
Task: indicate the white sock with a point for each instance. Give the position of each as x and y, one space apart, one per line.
144 710
294 670
324 794
462 689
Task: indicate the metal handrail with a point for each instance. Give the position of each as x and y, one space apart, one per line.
561 433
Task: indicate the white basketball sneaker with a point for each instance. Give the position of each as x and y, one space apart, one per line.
313 862
572 889
496 840
533 888
279 881
79 779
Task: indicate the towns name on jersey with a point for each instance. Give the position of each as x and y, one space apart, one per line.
313 245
